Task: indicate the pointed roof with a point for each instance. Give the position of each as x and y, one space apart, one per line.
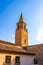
21 18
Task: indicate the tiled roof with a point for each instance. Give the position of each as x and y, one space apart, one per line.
7 46
38 50
35 48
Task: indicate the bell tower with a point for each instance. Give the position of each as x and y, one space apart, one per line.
21 33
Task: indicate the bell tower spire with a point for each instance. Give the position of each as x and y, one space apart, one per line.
21 18
21 33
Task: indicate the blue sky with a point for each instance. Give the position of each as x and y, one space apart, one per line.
32 11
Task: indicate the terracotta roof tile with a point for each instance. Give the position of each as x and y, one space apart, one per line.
12 47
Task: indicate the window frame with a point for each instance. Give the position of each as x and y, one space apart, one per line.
8 59
17 59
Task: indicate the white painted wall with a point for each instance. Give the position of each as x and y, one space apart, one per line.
26 60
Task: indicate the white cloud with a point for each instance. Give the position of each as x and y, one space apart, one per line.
40 35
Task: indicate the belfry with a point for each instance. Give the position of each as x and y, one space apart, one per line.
21 33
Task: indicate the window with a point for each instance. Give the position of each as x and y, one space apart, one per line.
18 26
17 59
24 27
21 26
24 41
8 59
35 61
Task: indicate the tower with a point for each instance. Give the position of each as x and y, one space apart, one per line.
21 33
